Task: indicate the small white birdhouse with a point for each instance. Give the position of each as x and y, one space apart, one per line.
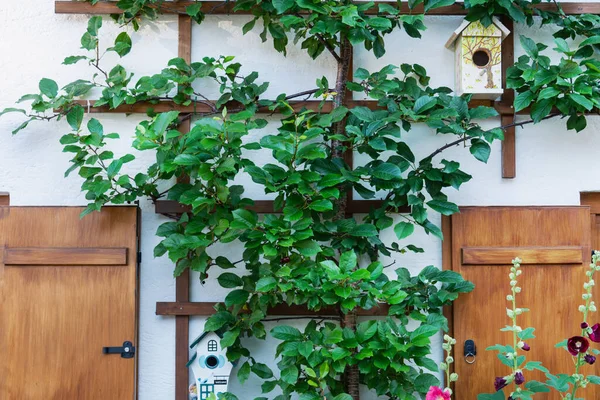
210 366
478 53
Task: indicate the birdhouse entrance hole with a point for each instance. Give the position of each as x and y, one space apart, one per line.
481 58
212 362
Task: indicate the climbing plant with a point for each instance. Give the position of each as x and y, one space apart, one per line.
312 253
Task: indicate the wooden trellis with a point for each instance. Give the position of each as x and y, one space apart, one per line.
182 308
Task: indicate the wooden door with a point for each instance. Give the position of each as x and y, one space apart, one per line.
67 289
554 244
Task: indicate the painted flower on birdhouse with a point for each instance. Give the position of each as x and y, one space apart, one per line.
478 52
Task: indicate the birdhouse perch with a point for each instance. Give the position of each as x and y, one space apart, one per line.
478 51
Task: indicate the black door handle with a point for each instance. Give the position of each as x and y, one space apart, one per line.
126 351
470 351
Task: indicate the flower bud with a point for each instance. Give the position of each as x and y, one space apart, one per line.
517 290
591 282
513 283
592 308
584 325
511 275
510 297
449 359
525 347
447 338
443 366
453 377
582 308
519 272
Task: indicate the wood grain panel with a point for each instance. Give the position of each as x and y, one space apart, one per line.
4 199
55 320
532 255
551 291
219 7
65 256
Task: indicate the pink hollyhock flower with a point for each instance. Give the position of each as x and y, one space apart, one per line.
436 393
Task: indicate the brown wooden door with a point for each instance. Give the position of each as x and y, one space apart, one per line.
555 246
67 289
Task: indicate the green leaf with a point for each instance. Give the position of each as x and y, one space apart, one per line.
387 171
308 248
290 375
284 332
480 150
431 4
363 113
266 284
236 297
186 159
364 230
541 109
73 59
244 372
523 100
529 46
262 371
321 205
48 87
245 218
229 280
218 320
537 387
379 23
443 207
122 44
282 5
403 230
339 353
424 103
424 381
526 334
75 117
582 101
499 395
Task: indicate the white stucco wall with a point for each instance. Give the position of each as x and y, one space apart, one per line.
553 165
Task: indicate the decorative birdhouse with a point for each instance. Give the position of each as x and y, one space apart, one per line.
478 56
210 366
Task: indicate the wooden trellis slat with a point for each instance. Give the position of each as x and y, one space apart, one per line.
170 207
182 283
509 158
208 308
167 105
222 7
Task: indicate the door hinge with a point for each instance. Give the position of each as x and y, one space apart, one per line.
126 351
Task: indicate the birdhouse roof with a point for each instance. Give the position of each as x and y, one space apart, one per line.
476 28
199 338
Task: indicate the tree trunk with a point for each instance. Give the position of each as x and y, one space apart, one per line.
490 77
351 374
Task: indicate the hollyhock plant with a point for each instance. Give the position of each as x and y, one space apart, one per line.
579 346
512 355
436 393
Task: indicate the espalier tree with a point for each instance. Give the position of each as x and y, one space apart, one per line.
312 253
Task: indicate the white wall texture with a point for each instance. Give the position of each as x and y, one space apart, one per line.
553 165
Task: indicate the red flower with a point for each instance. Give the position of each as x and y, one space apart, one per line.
525 347
577 345
436 393
595 335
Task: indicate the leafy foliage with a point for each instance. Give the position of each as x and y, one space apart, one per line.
310 253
